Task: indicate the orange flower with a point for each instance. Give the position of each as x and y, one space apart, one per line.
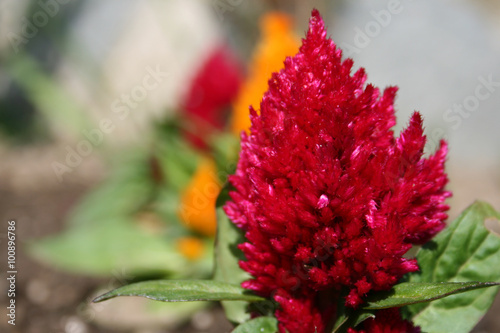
277 42
197 209
190 247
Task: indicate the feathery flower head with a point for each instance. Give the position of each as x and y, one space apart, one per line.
277 42
327 196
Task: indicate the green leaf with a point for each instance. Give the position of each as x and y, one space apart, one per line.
358 318
105 233
182 291
342 315
227 256
129 188
353 320
115 245
464 251
347 317
340 323
177 158
146 312
258 325
407 293
51 97
225 148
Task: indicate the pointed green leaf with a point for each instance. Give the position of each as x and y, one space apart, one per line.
183 291
348 317
340 323
342 315
354 319
258 325
407 293
358 318
227 256
464 251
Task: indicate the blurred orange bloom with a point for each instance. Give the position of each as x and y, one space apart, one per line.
197 209
277 42
190 247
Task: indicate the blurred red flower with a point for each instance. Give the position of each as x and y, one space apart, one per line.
212 90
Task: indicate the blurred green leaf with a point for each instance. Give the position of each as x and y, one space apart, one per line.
177 158
225 148
48 95
117 245
128 189
464 251
182 291
105 230
227 256
258 325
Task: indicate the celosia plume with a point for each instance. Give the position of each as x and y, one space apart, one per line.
277 42
327 196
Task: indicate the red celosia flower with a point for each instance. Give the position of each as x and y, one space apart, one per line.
213 88
326 195
387 321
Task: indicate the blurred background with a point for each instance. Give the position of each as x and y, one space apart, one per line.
97 99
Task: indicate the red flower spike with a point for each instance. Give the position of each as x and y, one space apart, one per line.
327 196
301 314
